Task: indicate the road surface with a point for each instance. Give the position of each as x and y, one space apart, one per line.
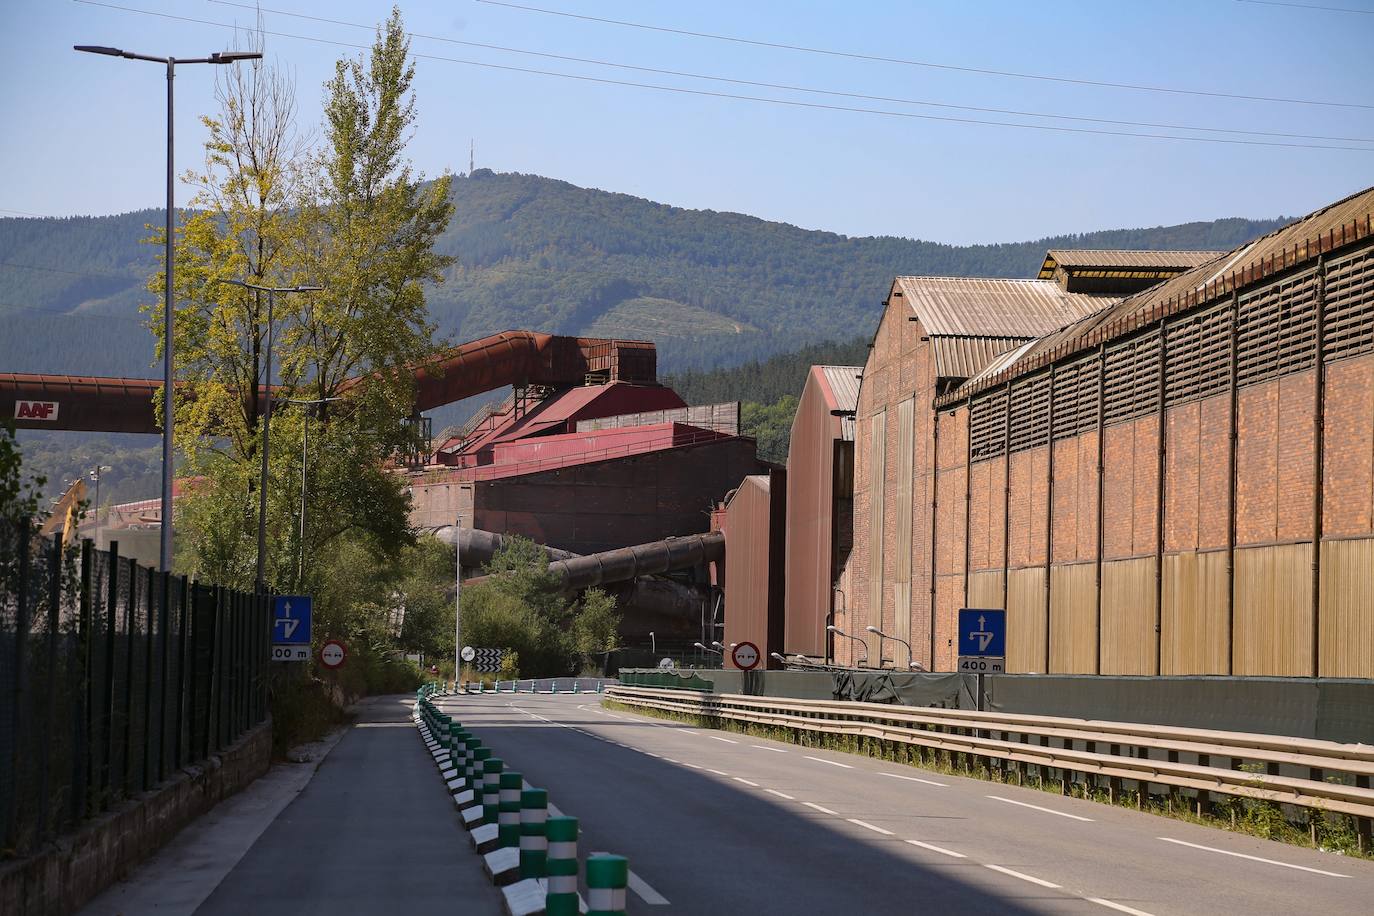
717 823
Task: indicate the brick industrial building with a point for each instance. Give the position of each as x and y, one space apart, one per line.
1134 455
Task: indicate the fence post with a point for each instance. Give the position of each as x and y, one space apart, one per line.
50 706
183 618
130 640
148 591
21 651
164 616
81 721
108 707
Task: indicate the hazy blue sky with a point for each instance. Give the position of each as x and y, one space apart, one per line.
84 134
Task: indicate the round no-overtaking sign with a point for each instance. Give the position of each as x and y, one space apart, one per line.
333 654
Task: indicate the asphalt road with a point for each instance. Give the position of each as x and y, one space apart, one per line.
719 823
374 832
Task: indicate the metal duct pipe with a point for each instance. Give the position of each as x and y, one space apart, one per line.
626 563
480 546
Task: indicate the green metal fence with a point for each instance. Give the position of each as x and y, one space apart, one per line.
113 677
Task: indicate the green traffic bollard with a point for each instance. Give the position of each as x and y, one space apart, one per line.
577 686
460 755
553 686
598 686
477 755
534 845
561 896
607 877
491 789
508 809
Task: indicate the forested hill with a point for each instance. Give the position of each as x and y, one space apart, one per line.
714 289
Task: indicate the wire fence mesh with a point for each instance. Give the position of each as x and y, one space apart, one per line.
113 677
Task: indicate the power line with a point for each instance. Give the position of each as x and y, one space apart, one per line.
1308 6
809 89
27 213
853 55
791 103
74 273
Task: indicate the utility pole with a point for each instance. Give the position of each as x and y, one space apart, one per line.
458 601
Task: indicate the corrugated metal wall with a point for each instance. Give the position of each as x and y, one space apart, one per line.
906 430
877 477
1195 629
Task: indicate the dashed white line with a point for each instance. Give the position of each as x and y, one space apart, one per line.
719 738
717 772
692 765
670 760
1012 801
1119 907
867 826
1022 875
940 849
645 892
653 755
929 782
776 750
821 809
781 794
746 782
833 763
1241 855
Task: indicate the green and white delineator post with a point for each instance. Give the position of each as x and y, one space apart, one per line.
508 809
561 897
491 789
607 878
534 844
477 755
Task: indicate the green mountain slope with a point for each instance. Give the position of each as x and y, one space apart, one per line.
716 289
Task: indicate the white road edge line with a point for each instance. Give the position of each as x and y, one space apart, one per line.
717 772
642 888
719 738
833 763
821 809
1022 875
776 750
781 794
1241 855
929 782
1119 907
940 849
1012 801
867 826
746 781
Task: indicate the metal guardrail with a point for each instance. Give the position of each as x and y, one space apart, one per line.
1337 775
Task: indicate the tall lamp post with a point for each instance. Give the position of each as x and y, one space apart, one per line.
260 576
95 476
219 57
305 440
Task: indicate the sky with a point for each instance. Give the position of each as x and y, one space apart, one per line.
85 134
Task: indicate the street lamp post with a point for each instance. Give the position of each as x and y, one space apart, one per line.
219 57
260 577
910 660
838 632
95 476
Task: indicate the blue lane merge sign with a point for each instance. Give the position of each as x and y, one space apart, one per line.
982 632
291 620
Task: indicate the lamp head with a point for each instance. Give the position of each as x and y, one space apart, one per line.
874 630
230 57
99 49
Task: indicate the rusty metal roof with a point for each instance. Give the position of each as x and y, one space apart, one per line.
841 386
965 357
1299 243
1118 259
975 307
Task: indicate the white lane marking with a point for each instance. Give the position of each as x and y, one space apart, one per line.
1119 907
867 826
717 772
692 765
821 809
652 754
776 750
1012 801
746 781
670 759
833 763
719 738
642 888
781 794
553 810
929 782
1022 875
940 849
1241 855
614 716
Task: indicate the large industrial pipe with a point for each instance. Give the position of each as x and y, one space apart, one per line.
625 563
480 546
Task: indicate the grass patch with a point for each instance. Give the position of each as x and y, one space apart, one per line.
1317 829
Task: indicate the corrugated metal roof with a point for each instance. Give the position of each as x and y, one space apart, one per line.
1109 258
965 357
1298 243
976 307
843 382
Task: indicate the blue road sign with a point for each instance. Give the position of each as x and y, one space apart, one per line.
291 620
982 633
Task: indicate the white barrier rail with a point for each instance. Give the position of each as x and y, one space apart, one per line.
1337 777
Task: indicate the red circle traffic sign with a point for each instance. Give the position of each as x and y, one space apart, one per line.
746 656
333 654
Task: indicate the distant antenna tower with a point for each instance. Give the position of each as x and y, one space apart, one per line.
472 156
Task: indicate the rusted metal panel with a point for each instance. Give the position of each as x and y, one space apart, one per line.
902 549
976 307
1194 635
877 477
1347 608
1128 617
1273 614
1026 621
721 418
747 542
1073 619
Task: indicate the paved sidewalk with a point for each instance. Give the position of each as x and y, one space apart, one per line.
372 832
